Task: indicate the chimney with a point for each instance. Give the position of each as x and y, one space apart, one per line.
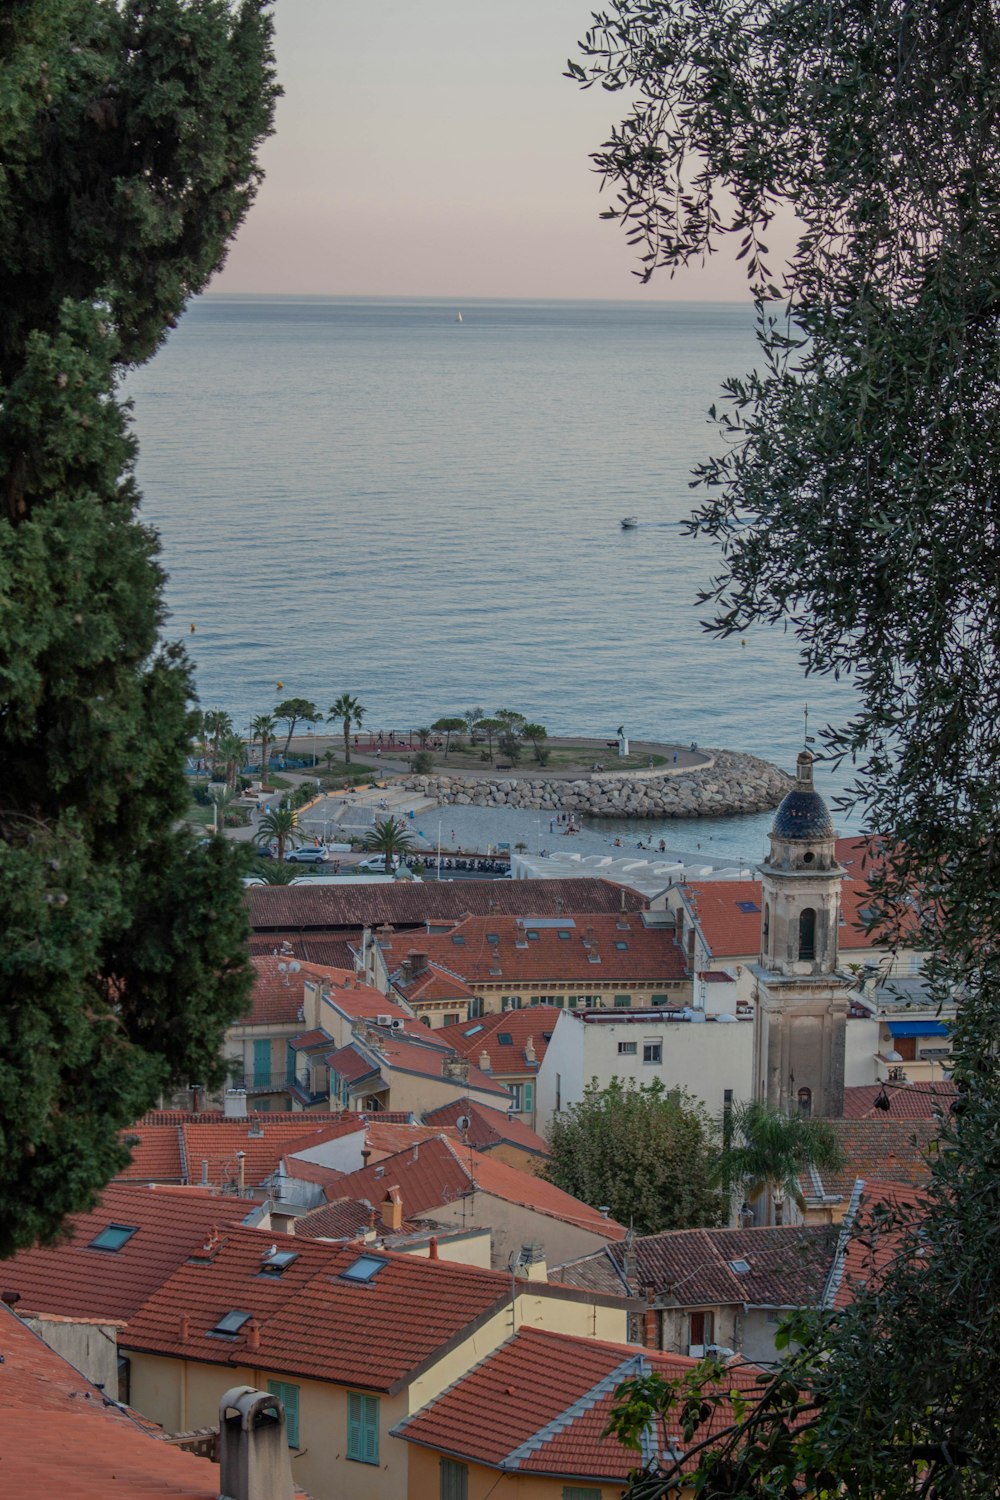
254 1462
253 1335
485 1066
531 1261
241 1171
418 960
204 1171
432 1249
234 1106
383 936
406 970
185 1330
529 1052
392 1210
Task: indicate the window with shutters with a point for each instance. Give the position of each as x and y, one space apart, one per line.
288 1395
362 1427
580 1492
454 1480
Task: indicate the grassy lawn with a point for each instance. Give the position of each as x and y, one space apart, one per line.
565 756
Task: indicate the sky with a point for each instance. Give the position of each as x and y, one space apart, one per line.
433 148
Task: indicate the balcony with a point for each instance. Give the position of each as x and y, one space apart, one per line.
262 1083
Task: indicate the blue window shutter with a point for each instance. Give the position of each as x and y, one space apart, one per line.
288 1395
529 1098
355 1445
371 1429
262 1062
362 1427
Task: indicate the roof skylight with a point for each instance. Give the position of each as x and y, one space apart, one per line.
278 1262
365 1268
113 1237
230 1325
742 1266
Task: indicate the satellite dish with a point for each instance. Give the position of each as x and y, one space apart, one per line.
463 1122
294 967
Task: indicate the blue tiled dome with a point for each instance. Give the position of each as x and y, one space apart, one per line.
803 815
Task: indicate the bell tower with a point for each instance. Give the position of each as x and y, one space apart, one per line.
802 1004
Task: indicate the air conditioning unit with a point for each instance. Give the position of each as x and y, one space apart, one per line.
383 1020
396 1023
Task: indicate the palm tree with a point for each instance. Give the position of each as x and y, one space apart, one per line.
291 710
279 827
215 725
767 1151
423 735
264 728
222 799
230 752
390 839
330 756
349 711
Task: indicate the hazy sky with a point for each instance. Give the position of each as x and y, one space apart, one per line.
433 148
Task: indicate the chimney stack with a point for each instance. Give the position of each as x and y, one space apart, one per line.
529 1051
185 1328
253 1335
485 1066
392 1210
254 1462
432 1249
455 1067
241 1171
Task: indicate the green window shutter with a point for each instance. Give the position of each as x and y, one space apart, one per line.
623 1001
262 1062
529 1098
289 1063
454 1480
580 1492
288 1395
362 1427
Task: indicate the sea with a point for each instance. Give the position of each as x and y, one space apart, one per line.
419 502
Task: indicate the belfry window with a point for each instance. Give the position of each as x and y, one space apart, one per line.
805 1102
767 922
807 934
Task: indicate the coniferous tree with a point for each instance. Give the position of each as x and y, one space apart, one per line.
127 138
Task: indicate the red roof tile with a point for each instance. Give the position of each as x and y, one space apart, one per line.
313 1321
352 1064
262 1138
489 1127
276 997
437 1172
308 1040
504 1037
335 952
918 1101
387 1138
616 946
880 1149
157 1154
428 1060
72 1279
59 1437
539 1405
731 932
874 1237
300 909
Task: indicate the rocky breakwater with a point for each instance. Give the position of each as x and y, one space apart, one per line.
731 784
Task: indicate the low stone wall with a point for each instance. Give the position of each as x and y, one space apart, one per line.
732 783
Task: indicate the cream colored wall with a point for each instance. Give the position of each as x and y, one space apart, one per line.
467 1249
489 1484
514 1225
409 1091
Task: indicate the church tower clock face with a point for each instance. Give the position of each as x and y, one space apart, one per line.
802 1003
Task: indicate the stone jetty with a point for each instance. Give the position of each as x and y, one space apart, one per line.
730 783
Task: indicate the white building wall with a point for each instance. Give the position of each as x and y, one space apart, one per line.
706 1058
861 1046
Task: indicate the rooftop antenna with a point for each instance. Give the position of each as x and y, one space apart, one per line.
807 738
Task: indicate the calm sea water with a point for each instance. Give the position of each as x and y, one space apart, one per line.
367 495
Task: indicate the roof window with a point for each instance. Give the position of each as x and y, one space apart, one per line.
229 1326
622 947
505 1039
365 1268
740 1266
113 1237
532 935
458 939
277 1262
748 906
471 1031
493 937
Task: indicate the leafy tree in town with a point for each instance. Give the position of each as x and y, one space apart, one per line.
422 763
280 826
390 839
263 728
643 1152
491 727
291 711
448 727
128 138
855 501
349 711
767 1151
537 734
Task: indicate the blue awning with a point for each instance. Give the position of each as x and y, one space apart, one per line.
917 1028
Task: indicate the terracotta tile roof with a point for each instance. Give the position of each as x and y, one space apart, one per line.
872 1239
626 949
262 1138
352 1064
333 951
918 1101
308 1040
786 1267
58 1437
386 1138
74 1280
877 1150
437 1172
276 997
539 1404
597 1271
156 1154
313 1322
411 1055
343 1219
302 908
489 1034
361 1002
328 1178
488 1127
432 982
732 932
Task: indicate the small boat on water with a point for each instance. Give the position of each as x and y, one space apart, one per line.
629 523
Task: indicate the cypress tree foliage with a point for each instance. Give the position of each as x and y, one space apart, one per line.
856 500
127 141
